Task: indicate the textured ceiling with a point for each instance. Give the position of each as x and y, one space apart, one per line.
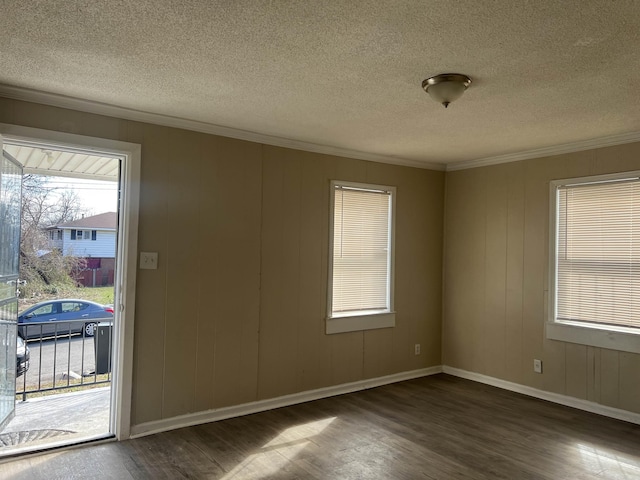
344 74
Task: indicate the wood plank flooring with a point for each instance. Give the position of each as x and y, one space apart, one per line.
438 427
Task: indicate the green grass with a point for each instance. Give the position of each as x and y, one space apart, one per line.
102 295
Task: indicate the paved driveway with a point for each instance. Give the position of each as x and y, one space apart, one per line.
73 356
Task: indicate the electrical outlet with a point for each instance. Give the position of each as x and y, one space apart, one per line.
148 260
537 365
416 349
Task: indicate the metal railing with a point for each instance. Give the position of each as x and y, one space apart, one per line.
62 355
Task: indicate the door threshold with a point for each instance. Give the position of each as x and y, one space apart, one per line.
56 446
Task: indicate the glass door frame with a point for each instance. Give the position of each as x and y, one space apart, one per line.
130 154
10 214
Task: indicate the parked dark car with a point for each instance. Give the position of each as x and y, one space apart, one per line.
22 357
63 317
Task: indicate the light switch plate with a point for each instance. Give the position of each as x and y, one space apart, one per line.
148 260
537 365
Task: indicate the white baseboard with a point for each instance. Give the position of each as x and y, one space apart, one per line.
549 396
198 418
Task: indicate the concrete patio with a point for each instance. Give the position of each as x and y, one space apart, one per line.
56 420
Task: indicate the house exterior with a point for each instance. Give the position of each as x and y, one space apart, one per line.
92 238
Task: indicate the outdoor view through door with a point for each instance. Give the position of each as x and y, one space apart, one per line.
10 185
60 308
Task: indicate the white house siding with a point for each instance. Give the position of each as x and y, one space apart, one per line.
104 246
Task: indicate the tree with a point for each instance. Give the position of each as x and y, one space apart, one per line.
45 270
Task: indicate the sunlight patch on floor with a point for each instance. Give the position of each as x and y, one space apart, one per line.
275 454
608 463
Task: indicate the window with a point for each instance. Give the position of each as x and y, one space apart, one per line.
66 307
94 234
360 294
59 234
47 309
82 235
595 270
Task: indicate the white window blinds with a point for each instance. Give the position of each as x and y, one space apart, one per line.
361 250
598 253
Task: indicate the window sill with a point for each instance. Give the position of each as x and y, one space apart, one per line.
624 340
356 323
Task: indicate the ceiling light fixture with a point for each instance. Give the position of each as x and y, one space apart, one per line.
446 87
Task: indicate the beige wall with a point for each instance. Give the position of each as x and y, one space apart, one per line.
496 276
235 311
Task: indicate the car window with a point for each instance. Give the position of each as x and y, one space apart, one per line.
72 306
44 310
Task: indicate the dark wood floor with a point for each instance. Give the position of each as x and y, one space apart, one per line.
438 427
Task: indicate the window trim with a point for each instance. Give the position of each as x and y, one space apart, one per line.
604 336
352 322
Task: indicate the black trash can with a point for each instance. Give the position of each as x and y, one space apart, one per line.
102 342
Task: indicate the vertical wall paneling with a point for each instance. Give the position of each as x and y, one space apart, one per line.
273 360
6 110
101 126
576 370
535 240
387 348
428 325
470 341
495 270
610 378
459 255
151 288
205 289
183 273
313 348
593 374
236 310
237 278
279 345
378 351
476 268
554 359
238 264
48 118
629 370
514 272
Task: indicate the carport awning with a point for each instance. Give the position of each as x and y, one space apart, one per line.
45 161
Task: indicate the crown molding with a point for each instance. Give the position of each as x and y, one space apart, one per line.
610 141
88 106
98 108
